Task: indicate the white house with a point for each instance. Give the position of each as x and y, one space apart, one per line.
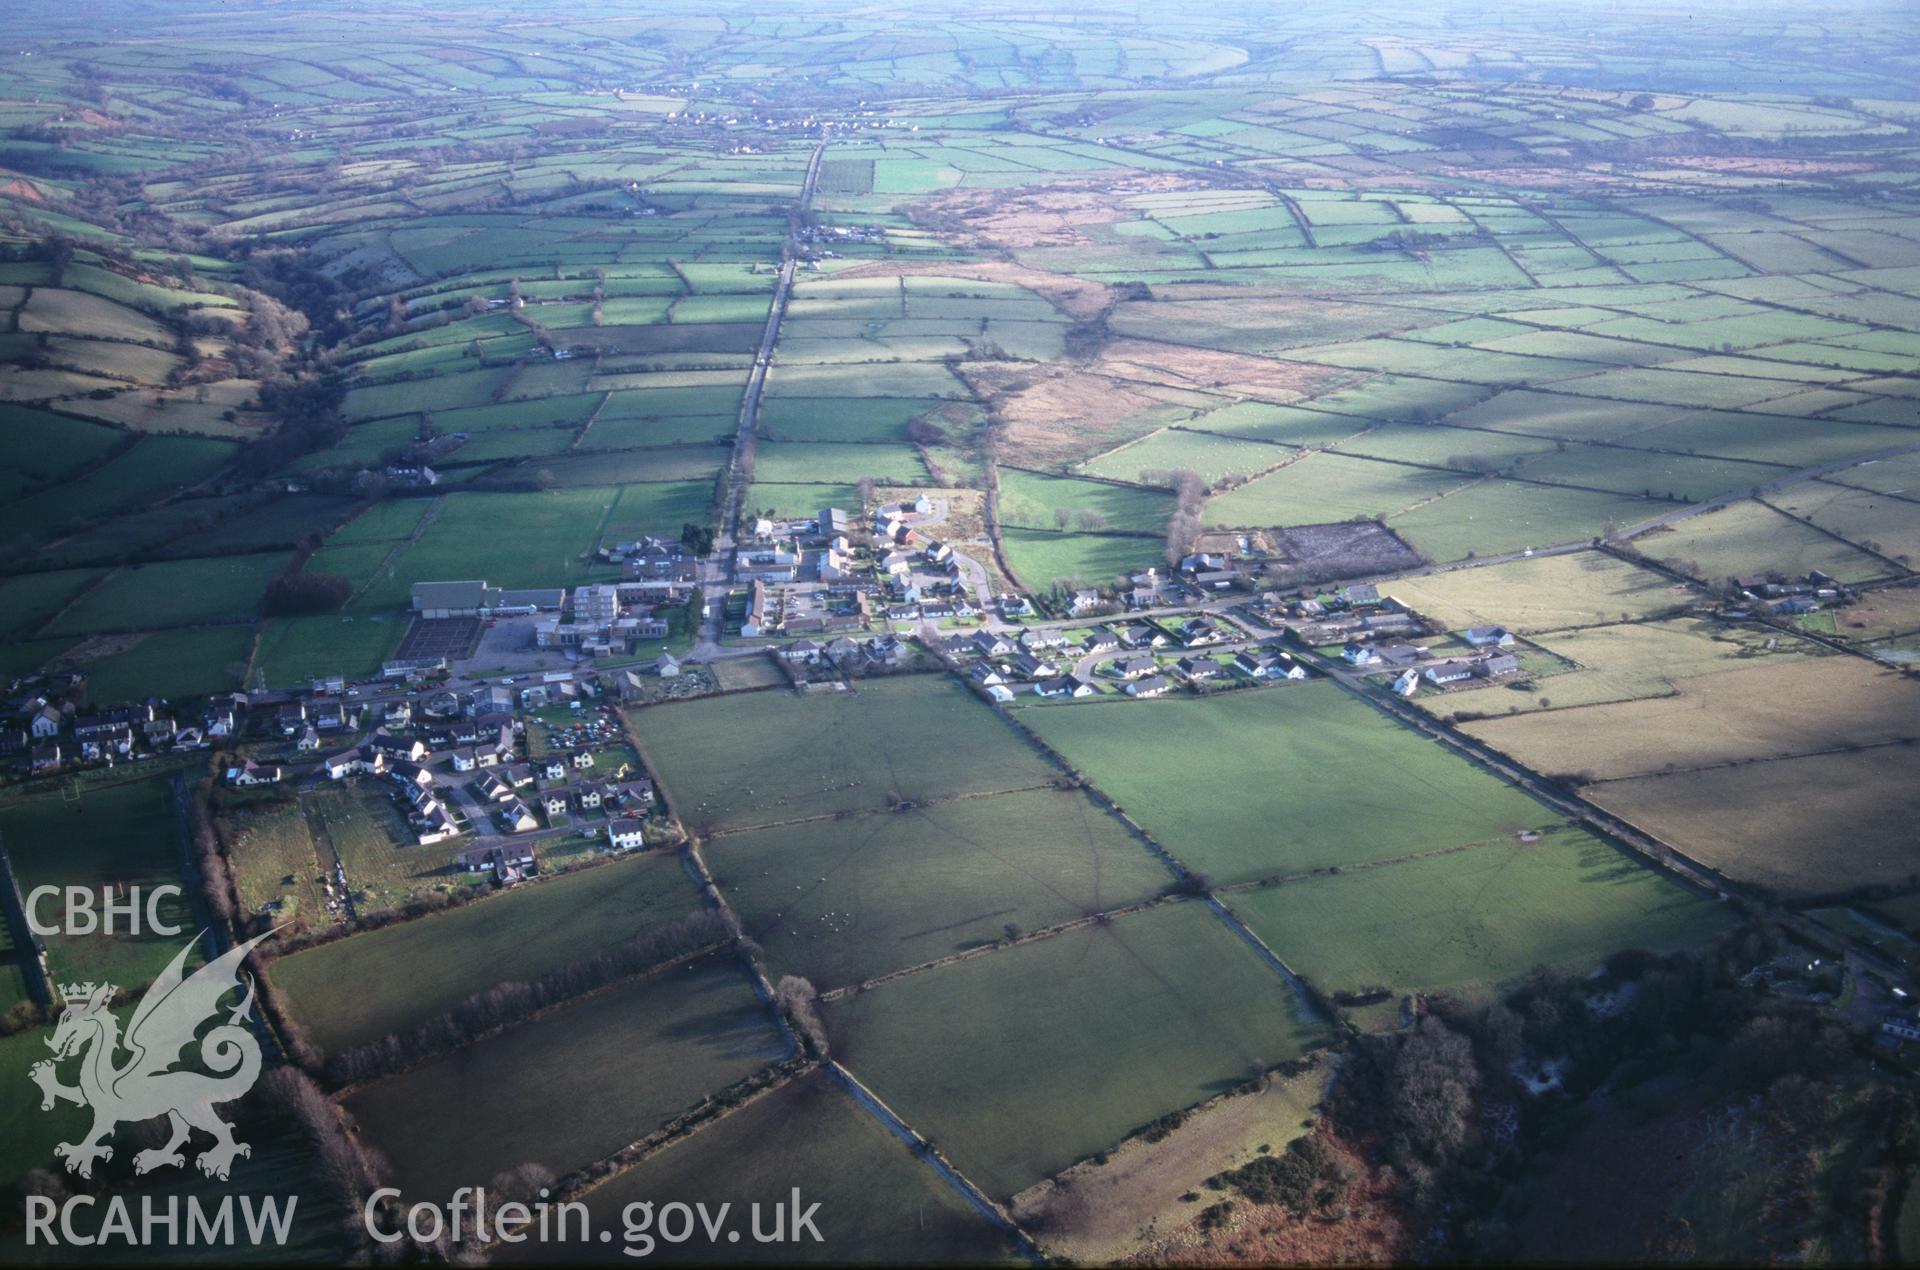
626 833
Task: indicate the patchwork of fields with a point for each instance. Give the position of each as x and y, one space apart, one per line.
1546 320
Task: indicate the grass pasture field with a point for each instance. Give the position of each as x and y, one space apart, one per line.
1777 710
1322 488
1748 538
1497 516
352 991
1412 292
637 1054
111 829
171 665
1303 763
1019 1063
1625 661
878 1203
1043 559
1546 593
733 762
1798 827
172 593
1469 921
841 900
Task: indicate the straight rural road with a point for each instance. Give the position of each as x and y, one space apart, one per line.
719 571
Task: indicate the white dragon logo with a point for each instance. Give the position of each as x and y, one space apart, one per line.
166 1021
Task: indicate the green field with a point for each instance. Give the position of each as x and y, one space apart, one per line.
1471 921
1547 593
878 1203
839 901
357 990
165 664
109 829
610 1068
172 593
1262 784
766 758
1042 559
1019 1063
294 650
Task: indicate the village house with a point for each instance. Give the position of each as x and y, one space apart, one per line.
1198 631
986 676
46 723
1141 635
354 762
756 622
509 862
1151 686
411 774
1259 664
1084 602
554 767
252 773
1033 667
636 793
1452 670
1488 636
626 833
1132 667
801 652
1497 664
1000 693
581 760
1400 655
517 817
436 824
46 758
1355 654
990 645
491 786
1199 669
1360 596
464 759
1101 642
1408 683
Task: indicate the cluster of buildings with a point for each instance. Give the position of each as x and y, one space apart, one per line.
1488 659
1788 597
48 730
1138 658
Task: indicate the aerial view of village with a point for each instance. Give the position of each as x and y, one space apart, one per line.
964 634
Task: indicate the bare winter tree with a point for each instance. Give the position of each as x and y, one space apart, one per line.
864 489
1183 530
1189 487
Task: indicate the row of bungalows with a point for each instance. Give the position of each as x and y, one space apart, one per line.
507 861
884 651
